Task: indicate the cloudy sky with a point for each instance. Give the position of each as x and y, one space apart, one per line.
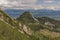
30 4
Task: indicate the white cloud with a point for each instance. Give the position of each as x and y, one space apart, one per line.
28 1
3 2
49 1
28 4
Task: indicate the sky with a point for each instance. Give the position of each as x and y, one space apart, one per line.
30 4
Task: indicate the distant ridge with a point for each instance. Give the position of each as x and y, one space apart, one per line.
38 13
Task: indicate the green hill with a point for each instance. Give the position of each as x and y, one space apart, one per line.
28 19
50 23
9 28
8 33
8 19
27 27
44 28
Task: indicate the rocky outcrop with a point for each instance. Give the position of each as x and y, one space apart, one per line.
27 30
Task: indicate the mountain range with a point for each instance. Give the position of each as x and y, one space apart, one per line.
37 13
28 27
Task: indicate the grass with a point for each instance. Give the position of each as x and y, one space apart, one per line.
8 33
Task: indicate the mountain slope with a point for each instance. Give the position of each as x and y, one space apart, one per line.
51 24
28 19
11 29
7 19
40 29
8 33
27 27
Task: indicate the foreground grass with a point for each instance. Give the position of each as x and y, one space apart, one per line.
8 33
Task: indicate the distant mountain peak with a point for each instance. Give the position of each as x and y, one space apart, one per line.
28 17
26 14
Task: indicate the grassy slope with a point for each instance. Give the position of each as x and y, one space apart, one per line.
8 33
9 19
